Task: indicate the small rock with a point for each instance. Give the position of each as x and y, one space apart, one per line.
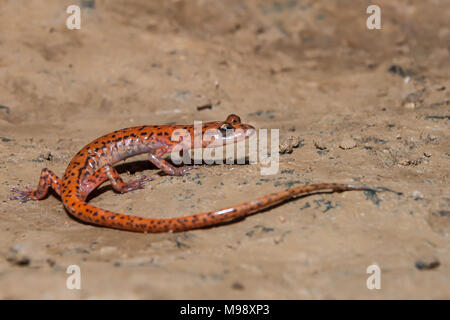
428 263
7 110
414 98
319 145
288 144
404 162
278 239
410 105
19 255
396 69
51 262
417 195
347 143
237 286
108 250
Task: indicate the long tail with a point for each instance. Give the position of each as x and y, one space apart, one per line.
91 214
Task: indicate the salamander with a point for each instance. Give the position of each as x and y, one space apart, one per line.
93 165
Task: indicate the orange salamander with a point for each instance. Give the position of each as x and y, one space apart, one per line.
93 165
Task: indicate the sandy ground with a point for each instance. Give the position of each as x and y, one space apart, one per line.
371 106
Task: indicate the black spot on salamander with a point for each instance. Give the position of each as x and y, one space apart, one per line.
166 133
143 133
141 128
95 214
113 136
125 137
159 133
133 135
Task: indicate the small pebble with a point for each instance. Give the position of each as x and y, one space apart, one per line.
319 145
108 250
417 195
237 286
288 145
278 239
410 105
347 143
427 263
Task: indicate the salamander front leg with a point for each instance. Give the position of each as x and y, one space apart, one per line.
48 179
167 168
108 172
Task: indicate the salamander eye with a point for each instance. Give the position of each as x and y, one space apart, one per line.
224 127
234 119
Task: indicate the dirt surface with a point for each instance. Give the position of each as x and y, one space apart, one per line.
371 107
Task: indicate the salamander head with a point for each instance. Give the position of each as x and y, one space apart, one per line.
219 133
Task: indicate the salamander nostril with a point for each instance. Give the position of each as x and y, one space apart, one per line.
224 127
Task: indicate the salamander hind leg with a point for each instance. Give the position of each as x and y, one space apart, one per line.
48 179
108 172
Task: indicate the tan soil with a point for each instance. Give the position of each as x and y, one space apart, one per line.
311 69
